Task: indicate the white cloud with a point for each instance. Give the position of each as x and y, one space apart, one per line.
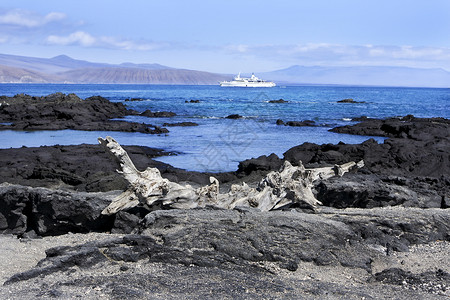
27 19
54 16
85 39
238 48
126 44
79 37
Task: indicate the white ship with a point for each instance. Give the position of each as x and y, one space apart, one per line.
247 82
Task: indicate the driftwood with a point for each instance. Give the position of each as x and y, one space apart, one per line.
291 184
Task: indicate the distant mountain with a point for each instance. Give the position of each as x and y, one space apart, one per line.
145 66
136 75
18 75
53 65
63 68
382 76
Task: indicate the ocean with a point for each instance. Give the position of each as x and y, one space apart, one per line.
219 144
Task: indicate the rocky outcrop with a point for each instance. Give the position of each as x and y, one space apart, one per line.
411 168
262 164
59 111
51 212
309 123
350 100
81 167
272 251
278 101
410 127
181 124
86 167
158 114
433 282
234 116
369 190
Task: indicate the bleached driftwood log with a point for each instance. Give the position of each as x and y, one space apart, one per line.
279 188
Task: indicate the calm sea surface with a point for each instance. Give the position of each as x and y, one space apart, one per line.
218 144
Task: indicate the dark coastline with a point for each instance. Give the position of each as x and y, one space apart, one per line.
397 202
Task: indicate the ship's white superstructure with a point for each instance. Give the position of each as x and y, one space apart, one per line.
247 82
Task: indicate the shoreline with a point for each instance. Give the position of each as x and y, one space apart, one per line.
385 227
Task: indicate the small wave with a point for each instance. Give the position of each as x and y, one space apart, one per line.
346 119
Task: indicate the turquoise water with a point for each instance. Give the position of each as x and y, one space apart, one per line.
218 144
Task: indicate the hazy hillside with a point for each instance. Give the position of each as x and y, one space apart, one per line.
18 75
383 76
135 75
66 69
62 63
63 68
145 66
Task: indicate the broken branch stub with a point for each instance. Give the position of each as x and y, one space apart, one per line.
278 189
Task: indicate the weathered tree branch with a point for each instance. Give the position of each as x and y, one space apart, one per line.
278 189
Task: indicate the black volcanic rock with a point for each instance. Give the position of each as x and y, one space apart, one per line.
134 99
369 190
81 167
301 123
247 240
158 114
349 100
51 212
234 116
430 281
86 167
361 118
304 123
59 111
263 163
182 124
417 148
407 127
278 101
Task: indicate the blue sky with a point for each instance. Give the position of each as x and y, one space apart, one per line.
231 36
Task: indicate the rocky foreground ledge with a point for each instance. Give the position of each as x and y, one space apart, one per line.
382 233
210 254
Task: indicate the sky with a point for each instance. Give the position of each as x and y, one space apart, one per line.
232 36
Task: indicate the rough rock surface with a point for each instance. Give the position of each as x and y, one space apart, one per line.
158 114
244 253
369 190
420 129
411 167
81 167
182 124
309 123
278 101
51 212
350 100
59 111
234 116
86 167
